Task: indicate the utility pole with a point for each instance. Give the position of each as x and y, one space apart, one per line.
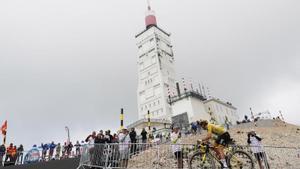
149 121
252 115
122 119
68 134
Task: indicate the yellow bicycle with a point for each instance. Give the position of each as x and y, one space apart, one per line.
205 158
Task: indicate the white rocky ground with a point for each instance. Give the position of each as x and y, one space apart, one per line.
281 140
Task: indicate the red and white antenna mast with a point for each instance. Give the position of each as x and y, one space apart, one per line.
150 19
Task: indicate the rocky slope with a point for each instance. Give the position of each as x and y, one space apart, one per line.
281 141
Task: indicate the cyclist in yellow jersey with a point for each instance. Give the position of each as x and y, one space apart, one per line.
222 139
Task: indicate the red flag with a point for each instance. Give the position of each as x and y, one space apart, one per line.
4 127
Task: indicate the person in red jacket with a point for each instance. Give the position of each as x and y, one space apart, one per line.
9 153
14 154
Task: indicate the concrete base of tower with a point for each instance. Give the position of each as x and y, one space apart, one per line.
156 124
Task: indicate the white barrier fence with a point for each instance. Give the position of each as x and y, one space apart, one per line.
155 156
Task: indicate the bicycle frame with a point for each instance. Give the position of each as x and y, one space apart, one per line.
207 149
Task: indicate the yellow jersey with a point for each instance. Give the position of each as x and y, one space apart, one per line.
215 129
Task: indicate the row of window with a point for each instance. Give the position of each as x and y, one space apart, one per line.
147 62
151 41
153 104
148 81
154 113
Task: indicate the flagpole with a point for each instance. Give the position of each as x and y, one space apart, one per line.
4 131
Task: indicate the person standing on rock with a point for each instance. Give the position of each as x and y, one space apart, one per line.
2 153
44 151
20 151
51 150
176 147
69 149
254 141
144 136
9 153
133 140
58 149
77 149
124 141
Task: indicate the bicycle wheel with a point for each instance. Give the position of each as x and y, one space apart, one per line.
240 160
197 162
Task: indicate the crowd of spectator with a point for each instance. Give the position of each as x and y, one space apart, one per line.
10 153
13 155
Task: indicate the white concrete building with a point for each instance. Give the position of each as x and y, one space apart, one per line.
156 82
220 110
196 106
155 70
190 103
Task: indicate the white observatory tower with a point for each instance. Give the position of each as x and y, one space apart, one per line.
156 75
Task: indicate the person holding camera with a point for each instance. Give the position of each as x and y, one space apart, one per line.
256 146
176 147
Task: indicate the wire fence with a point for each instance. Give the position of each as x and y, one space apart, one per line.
169 156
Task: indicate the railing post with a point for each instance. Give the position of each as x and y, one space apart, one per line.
158 153
106 154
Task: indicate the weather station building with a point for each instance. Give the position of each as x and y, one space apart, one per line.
157 80
192 105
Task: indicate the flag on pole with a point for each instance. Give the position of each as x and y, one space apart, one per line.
4 131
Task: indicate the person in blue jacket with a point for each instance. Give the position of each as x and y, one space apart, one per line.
52 146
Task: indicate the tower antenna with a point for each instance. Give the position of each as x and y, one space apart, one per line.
149 6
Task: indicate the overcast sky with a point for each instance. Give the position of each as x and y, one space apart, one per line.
73 62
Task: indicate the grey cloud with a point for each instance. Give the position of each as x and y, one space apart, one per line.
74 63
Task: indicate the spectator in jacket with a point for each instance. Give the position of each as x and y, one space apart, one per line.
133 140
176 139
58 149
9 153
124 141
14 154
69 149
51 150
144 136
44 151
20 153
77 148
257 149
108 137
91 139
2 153
115 138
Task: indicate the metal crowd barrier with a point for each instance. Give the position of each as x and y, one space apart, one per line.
20 158
162 156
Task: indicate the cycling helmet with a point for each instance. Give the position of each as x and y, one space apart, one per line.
203 122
